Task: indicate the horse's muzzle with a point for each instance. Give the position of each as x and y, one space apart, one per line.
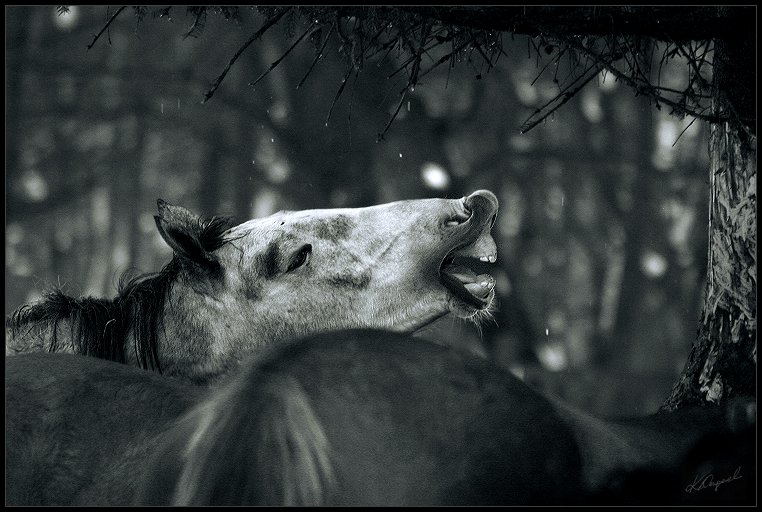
474 241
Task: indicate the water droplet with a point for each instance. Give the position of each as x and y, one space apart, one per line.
272 140
546 332
400 155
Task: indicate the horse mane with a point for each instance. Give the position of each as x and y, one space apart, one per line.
99 327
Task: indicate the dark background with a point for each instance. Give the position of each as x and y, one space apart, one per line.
602 228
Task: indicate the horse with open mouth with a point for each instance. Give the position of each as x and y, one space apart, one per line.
230 290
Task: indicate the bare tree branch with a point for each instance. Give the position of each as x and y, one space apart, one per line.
269 23
317 57
681 23
640 87
338 93
564 97
106 26
274 64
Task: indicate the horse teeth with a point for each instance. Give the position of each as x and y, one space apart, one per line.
484 258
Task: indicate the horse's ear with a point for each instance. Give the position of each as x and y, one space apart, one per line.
182 231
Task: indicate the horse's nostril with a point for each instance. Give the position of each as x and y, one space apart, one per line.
459 217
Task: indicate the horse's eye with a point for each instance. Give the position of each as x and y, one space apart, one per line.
301 257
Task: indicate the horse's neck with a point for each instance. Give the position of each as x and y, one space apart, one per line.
202 339
56 336
188 339
39 337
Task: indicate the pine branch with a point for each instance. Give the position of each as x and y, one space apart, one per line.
641 88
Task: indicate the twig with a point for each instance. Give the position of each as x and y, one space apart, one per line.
390 45
110 21
351 101
394 116
269 23
413 58
338 93
486 59
556 60
417 64
661 65
317 57
198 24
567 87
417 54
274 64
447 57
564 98
685 130
696 68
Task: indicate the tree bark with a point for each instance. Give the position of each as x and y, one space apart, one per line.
722 363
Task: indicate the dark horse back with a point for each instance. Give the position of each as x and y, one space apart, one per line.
374 418
79 429
354 418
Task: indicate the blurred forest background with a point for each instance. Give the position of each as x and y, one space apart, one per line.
602 226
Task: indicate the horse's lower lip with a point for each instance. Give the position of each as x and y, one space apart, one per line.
465 285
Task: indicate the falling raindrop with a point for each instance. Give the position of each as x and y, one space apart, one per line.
400 155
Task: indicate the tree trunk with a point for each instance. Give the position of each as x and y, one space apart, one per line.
723 360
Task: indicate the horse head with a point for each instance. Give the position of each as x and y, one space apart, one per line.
391 266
